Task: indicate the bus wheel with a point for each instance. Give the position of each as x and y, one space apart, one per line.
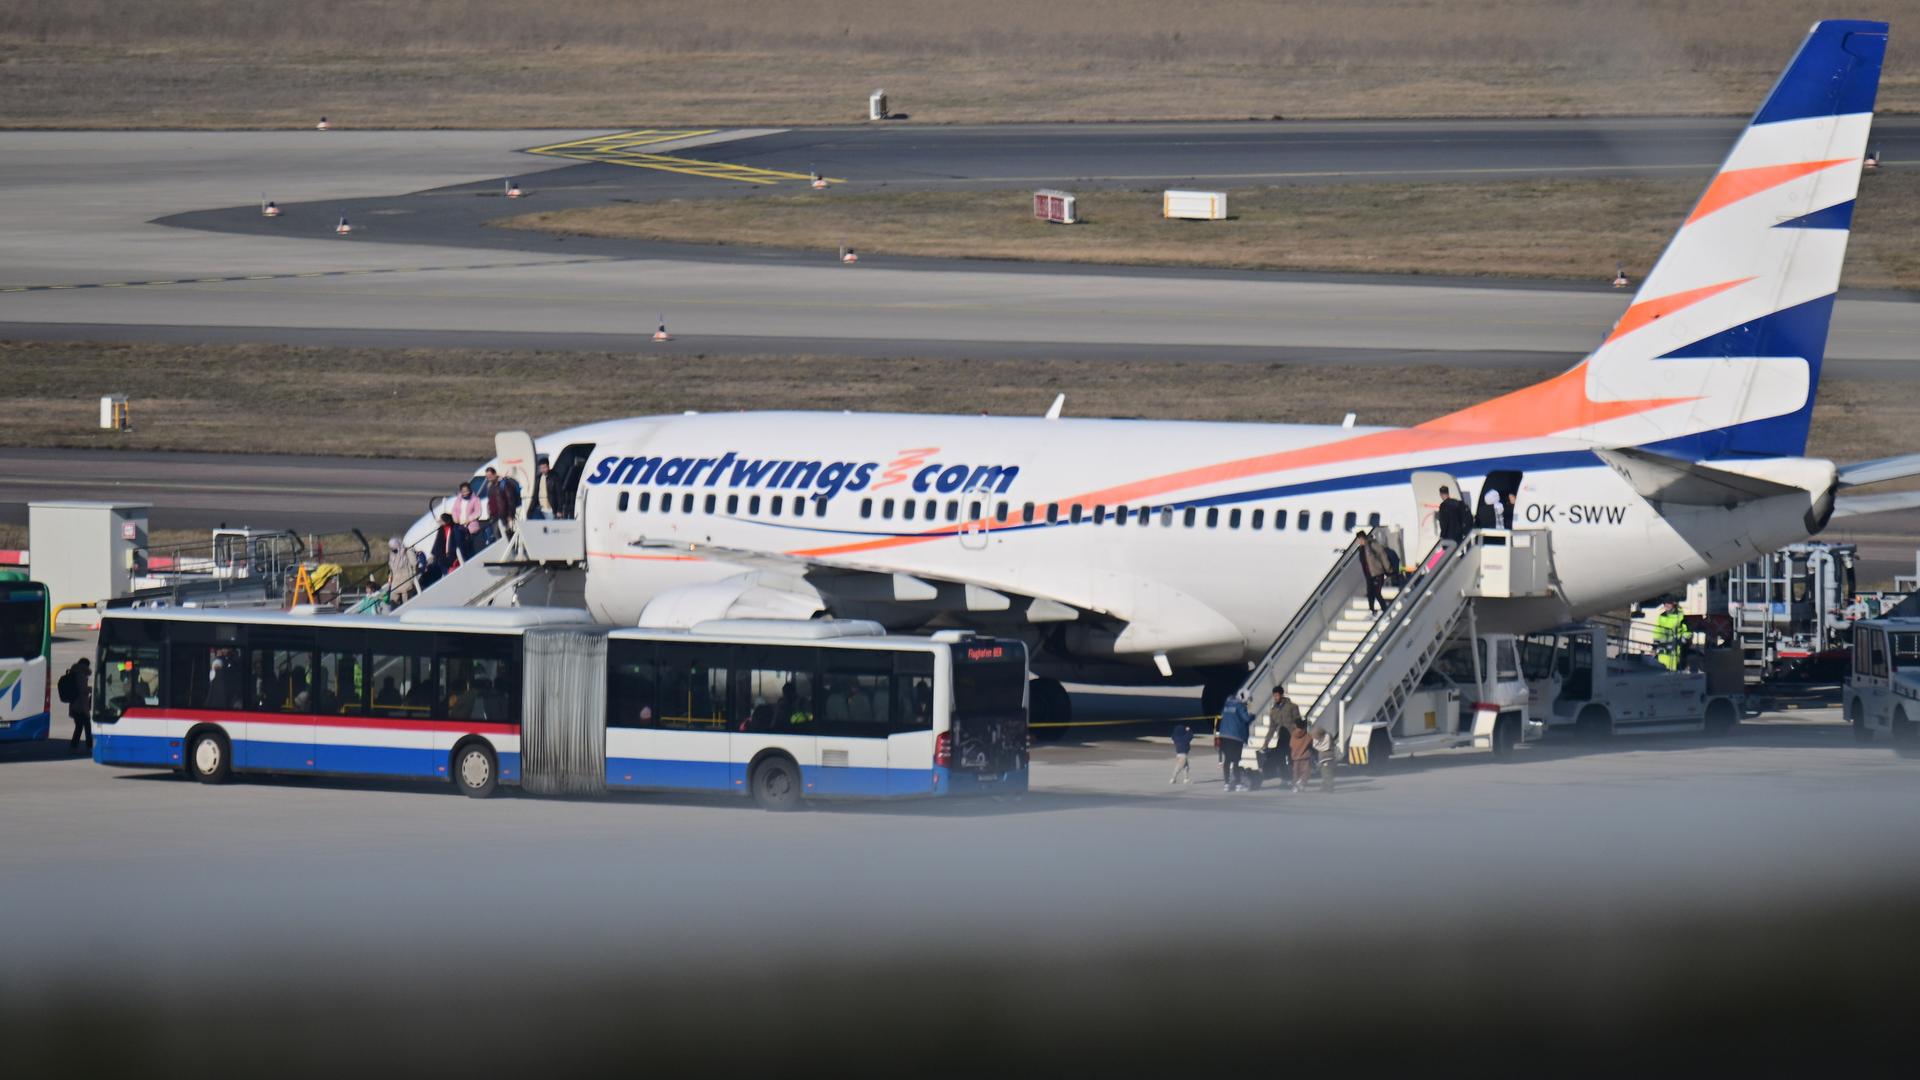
1050 709
1506 735
1858 714
476 772
776 783
1593 722
1721 719
209 757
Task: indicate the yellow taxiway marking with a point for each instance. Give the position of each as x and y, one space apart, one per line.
628 148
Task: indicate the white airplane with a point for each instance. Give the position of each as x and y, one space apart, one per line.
1131 551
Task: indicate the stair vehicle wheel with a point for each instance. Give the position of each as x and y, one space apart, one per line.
1506 736
1906 740
776 783
1050 709
1593 722
1721 718
476 772
1858 715
209 757
1379 751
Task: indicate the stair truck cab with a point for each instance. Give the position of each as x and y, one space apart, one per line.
1472 698
1581 681
1882 689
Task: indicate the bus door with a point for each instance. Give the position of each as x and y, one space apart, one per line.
1426 485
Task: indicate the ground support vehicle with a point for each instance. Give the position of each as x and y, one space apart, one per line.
1882 691
1579 680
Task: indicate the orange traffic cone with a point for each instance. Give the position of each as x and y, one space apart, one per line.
513 190
1620 277
661 334
343 228
323 125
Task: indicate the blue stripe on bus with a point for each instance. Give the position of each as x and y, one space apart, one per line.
135 750
399 762
27 727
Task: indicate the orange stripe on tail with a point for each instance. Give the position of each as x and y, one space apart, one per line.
1736 184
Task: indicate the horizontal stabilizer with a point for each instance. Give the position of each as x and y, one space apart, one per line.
1880 470
1860 505
1662 479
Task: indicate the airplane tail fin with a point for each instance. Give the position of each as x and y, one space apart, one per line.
1719 354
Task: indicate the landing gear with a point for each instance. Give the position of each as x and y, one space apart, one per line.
1050 709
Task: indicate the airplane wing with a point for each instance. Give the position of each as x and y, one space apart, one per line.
1860 505
843 582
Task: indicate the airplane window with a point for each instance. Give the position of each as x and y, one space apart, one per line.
713 501
886 509
623 500
907 508
1053 513
1187 519
1373 519
1099 514
1306 520
666 502
779 504
1233 519
733 504
1001 512
686 503
646 497
1213 517
973 511
953 509
1026 513
1166 517
1075 515
1353 519
866 507
819 508
799 506
1257 515
933 509
753 505
1326 521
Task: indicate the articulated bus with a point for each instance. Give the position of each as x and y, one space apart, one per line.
543 699
26 647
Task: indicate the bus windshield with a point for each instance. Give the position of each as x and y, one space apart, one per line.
23 621
989 677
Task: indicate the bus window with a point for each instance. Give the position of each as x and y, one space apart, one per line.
339 685
780 688
1905 651
23 621
129 674
913 691
1877 654
693 686
989 678
633 684
204 676
480 677
856 692
282 670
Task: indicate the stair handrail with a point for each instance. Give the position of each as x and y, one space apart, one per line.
1301 614
1412 595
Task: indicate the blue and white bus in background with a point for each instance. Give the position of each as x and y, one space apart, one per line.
543 699
26 649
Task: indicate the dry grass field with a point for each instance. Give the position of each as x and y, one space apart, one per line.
1575 229
447 403
502 63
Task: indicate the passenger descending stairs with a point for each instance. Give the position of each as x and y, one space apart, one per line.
1344 666
500 575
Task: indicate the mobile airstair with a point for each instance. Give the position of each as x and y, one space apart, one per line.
1345 667
541 564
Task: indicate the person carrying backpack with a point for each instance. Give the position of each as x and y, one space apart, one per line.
1235 723
76 689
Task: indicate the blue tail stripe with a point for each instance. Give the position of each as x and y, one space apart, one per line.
1837 216
1835 73
1796 332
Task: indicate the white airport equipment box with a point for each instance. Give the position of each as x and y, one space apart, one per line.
87 551
1194 205
877 105
113 412
1514 563
1055 206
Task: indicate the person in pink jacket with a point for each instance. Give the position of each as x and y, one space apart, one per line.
467 509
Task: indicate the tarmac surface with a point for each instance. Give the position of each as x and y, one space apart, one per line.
143 879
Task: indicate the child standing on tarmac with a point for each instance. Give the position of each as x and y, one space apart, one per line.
1182 742
1300 749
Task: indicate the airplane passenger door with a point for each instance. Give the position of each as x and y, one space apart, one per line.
974 524
514 451
1426 500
